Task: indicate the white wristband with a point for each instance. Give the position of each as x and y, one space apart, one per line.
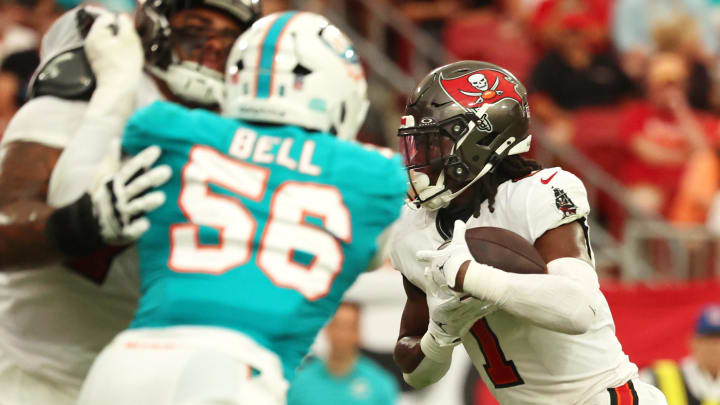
486 282
433 350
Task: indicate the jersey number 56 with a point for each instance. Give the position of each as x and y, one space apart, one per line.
285 232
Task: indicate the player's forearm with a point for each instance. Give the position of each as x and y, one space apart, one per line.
22 236
33 233
407 353
563 300
419 370
116 61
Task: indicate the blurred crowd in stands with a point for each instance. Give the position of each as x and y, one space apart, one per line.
633 85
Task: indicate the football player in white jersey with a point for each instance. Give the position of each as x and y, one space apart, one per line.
534 338
76 290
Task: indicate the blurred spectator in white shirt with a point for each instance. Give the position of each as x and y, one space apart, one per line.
635 21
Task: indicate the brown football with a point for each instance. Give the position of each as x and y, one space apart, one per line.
504 250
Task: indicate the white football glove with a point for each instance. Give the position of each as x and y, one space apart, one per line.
452 316
116 57
114 50
120 203
113 212
445 263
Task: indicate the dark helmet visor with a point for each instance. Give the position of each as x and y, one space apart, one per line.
425 150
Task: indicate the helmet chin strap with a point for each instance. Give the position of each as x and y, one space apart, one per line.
444 196
422 182
192 82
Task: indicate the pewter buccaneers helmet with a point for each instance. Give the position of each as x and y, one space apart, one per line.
459 123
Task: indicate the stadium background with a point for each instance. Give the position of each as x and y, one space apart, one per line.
624 93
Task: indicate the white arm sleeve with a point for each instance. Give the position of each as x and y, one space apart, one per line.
564 300
433 367
115 55
46 120
94 149
426 373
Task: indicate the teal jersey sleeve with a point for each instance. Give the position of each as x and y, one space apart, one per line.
264 227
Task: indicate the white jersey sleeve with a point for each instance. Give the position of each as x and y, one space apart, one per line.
554 197
47 120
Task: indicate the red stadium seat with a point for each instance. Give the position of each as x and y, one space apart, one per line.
597 135
485 36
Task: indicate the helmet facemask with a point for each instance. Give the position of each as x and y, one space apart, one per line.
461 120
177 49
186 75
453 153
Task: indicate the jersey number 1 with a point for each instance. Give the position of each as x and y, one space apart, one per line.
286 231
502 372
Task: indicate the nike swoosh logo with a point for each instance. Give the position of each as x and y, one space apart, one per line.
546 181
434 104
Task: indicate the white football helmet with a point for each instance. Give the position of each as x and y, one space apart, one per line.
296 68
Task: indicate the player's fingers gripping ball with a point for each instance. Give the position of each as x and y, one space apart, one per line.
457 313
441 331
445 263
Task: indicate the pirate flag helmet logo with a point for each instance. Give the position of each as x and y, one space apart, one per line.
474 89
459 123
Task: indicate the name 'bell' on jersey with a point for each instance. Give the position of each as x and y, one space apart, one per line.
264 227
520 362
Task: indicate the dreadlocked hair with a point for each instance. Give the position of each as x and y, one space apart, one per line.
510 168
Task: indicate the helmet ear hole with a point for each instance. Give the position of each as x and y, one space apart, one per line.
240 65
301 70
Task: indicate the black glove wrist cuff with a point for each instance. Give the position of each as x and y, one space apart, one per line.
73 229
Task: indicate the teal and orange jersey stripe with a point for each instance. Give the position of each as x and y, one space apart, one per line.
624 395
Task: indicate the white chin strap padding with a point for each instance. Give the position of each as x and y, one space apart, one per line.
442 200
193 83
421 182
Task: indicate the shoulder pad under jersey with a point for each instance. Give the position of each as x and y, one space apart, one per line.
68 74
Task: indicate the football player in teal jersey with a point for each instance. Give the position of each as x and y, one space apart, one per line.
272 212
